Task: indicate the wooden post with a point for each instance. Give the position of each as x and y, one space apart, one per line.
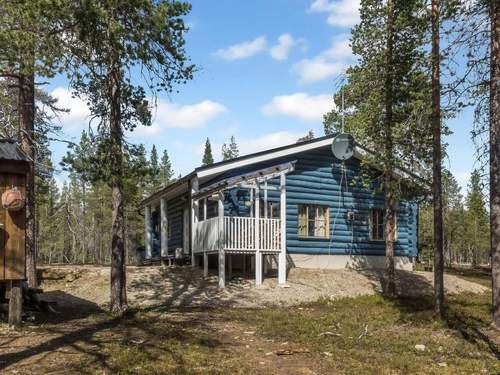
222 256
282 254
258 255
194 217
148 232
164 227
15 304
205 209
265 200
252 203
229 266
205 264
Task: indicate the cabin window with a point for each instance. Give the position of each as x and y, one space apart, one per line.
313 221
377 232
377 224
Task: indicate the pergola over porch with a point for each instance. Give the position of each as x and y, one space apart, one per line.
255 235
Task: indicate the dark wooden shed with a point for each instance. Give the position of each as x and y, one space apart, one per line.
14 166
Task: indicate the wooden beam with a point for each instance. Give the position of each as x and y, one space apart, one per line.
258 254
282 254
265 199
15 304
148 232
229 266
222 256
194 215
205 264
251 177
252 186
164 227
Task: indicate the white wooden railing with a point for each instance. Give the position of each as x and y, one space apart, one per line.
239 234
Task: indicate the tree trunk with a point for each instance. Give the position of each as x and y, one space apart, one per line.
390 214
436 164
27 124
495 158
118 280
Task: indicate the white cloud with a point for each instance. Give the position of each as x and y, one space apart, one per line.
243 50
250 145
148 131
78 110
173 115
317 69
303 106
342 13
328 63
281 50
267 141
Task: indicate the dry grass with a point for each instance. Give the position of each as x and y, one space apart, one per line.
362 335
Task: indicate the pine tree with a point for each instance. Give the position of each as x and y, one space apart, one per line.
32 44
477 238
207 154
494 130
231 151
388 91
155 169
437 160
106 51
166 171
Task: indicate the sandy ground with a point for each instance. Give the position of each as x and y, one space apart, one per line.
184 286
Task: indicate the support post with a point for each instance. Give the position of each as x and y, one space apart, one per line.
164 228
148 232
265 200
222 255
205 209
205 264
194 217
282 254
258 255
15 304
229 266
252 203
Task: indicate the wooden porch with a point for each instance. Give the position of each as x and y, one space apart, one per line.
258 234
255 235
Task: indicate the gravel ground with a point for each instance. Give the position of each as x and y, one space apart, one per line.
184 286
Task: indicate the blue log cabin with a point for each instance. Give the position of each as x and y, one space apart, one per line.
292 206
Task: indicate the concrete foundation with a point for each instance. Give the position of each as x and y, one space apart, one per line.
347 261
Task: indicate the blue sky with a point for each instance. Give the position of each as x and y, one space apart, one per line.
267 72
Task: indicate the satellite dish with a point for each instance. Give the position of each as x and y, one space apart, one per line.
343 146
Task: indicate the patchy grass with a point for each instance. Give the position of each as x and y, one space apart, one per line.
372 334
480 275
364 335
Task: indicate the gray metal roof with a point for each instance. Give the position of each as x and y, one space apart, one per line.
9 151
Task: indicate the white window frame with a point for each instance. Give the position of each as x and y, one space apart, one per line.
326 220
